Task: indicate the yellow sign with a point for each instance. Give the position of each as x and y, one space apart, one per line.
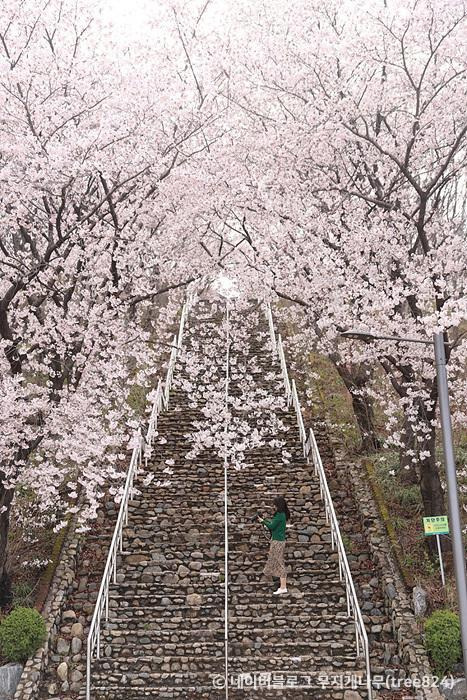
436 525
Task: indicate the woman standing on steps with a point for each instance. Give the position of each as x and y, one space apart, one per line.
275 565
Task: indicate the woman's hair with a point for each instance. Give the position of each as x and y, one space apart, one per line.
281 506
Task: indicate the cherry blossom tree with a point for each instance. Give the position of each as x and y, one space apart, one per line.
314 152
354 135
91 133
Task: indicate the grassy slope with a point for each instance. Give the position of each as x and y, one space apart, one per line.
400 505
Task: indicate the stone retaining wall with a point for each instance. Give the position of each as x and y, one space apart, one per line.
398 604
62 585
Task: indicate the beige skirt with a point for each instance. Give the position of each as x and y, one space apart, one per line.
275 565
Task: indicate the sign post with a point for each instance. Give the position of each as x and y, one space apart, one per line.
437 525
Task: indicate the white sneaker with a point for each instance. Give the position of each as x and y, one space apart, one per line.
279 591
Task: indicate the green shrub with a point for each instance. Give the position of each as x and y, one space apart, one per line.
443 640
21 633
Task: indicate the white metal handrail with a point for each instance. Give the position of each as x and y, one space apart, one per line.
142 445
278 348
353 606
170 370
110 571
271 327
310 447
157 406
285 374
301 425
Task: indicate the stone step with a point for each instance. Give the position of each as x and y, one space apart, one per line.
304 514
180 425
192 407
159 557
167 488
211 474
180 413
284 657
303 508
212 586
166 543
160 499
184 406
257 541
178 571
162 617
181 534
255 598
287 689
312 533
241 615
321 564
194 686
258 582
138 658
163 485
179 398
248 570
152 634
199 583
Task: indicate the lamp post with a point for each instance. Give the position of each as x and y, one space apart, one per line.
226 289
226 502
450 466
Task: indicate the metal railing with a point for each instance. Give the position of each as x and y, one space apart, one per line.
285 374
298 411
310 449
141 448
279 350
157 407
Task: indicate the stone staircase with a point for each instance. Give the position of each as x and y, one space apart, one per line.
165 636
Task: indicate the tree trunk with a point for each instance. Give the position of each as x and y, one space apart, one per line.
408 469
364 415
6 498
354 381
431 490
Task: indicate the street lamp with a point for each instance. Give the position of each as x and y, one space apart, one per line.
226 289
450 465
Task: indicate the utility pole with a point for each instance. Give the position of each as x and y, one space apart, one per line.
452 490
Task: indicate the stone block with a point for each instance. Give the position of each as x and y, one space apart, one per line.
77 630
455 689
194 599
63 646
69 616
10 675
62 671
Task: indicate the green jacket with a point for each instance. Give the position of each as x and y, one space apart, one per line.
277 526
